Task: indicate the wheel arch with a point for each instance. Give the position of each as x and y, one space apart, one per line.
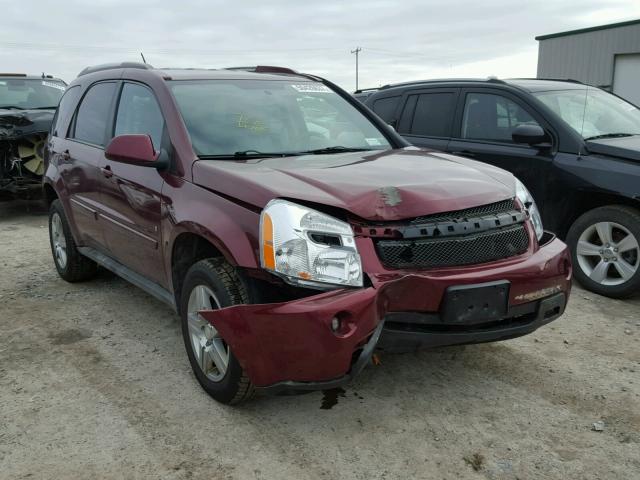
189 246
585 200
50 194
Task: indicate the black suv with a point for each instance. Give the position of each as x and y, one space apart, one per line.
575 147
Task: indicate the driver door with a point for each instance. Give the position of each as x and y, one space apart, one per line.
483 131
131 193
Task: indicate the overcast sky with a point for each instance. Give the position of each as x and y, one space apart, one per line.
400 40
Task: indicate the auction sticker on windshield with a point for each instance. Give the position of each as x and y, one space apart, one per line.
311 88
59 86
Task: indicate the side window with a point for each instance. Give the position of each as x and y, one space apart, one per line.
406 118
93 113
64 111
139 113
385 108
433 114
492 117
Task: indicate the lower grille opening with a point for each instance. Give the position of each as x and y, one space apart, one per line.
448 328
552 313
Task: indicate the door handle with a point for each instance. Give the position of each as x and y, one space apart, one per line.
464 153
106 171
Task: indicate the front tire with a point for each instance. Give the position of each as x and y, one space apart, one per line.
72 266
211 284
605 247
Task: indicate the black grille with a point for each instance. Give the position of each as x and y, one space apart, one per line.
463 250
481 211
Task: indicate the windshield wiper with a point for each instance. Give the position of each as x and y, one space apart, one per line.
43 108
610 135
334 149
248 154
257 154
10 107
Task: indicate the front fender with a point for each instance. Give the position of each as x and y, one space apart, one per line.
229 227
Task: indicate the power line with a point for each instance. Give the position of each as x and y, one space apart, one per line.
115 48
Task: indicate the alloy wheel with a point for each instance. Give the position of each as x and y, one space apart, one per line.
608 253
210 350
58 241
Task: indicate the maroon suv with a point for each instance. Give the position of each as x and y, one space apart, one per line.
292 230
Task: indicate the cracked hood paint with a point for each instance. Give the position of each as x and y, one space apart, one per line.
378 186
20 123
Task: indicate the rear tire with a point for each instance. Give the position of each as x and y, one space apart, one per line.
72 266
605 250
211 284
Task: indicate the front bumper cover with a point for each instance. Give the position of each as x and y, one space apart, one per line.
291 346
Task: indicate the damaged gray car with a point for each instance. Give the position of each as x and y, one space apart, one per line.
27 107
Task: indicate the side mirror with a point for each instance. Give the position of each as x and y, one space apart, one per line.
530 135
132 149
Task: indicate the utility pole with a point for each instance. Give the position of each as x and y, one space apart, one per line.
356 51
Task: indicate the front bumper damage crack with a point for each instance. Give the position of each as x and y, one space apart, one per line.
291 345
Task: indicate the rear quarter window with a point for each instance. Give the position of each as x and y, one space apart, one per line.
64 111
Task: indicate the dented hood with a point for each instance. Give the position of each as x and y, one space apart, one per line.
19 123
379 186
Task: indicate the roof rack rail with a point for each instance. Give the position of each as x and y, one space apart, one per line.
372 89
265 69
440 80
570 80
111 66
13 74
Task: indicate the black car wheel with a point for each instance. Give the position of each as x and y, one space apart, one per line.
211 284
606 251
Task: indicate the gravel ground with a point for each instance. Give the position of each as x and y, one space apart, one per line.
95 383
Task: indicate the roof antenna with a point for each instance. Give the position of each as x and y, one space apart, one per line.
43 75
143 60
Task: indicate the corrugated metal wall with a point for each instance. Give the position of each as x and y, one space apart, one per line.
587 57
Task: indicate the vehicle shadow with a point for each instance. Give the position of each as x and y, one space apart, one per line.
15 209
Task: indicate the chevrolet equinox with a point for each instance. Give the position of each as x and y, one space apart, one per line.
291 229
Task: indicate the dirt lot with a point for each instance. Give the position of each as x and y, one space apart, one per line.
94 383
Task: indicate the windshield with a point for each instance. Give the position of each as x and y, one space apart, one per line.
25 94
593 112
225 117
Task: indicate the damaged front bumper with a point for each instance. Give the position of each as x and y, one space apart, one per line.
295 345
23 135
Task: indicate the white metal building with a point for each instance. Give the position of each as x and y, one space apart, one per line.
607 56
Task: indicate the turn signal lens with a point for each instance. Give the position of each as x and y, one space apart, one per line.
266 233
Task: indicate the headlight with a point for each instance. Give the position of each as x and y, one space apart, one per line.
307 247
530 204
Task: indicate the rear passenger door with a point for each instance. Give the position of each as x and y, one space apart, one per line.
484 125
426 117
131 193
79 157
